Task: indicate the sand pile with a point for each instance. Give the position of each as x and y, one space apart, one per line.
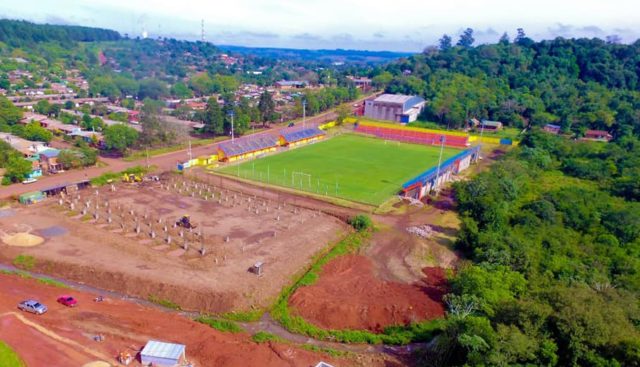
97 364
22 239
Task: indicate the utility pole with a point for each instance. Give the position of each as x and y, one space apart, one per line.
202 31
481 131
189 151
232 132
442 139
147 149
304 113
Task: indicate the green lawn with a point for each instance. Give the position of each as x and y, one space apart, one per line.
350 166
8 357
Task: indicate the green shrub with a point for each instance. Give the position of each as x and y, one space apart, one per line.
164 302
25 262
221 325
52 282
246 316
263 337
361 223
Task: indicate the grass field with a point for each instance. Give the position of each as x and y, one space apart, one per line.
350 166
8 357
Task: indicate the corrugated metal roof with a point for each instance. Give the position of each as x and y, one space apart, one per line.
159 349
393 98
297 134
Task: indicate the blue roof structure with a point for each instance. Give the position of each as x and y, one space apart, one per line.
248 145
431 173
297 134
50 153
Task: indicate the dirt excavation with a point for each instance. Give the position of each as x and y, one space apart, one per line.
67 336
125 238
348 295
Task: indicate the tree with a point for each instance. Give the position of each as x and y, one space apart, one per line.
504 39
266 106
343 111
445 43
119 137
466 38
214 118
16 169
382 80
34 132
152 88
180 90
9 114
42 107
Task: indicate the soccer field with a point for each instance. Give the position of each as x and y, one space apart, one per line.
350 166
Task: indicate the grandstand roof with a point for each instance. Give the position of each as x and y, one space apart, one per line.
297 134
248 145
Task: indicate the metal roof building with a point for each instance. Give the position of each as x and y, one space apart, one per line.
162 354
394 107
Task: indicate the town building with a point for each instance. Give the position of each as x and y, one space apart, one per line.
394 107
553 129
597 135
291 84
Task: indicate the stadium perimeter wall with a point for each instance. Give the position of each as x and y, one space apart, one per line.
433 178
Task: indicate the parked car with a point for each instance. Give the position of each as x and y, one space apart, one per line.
32 306
29 180
291 124
68 301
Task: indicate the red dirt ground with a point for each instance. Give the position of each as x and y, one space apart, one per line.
348 295
64 336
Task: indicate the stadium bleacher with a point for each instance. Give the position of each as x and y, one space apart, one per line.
248 145
296 134
415 137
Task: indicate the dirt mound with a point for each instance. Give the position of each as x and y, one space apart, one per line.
349 296
22 240
97 364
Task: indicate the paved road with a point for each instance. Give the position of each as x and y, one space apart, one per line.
163 162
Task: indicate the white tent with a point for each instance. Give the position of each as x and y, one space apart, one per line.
162 354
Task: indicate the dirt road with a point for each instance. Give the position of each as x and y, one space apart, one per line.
65 336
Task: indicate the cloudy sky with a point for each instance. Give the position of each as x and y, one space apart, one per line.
406 25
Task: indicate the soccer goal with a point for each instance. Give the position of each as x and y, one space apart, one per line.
300 177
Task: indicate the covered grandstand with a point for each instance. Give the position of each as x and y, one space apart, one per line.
413 135
247 147
435 177
298 136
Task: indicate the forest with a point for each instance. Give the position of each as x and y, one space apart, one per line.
552 232
578 84
18 33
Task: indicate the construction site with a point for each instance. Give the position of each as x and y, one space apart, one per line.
171 238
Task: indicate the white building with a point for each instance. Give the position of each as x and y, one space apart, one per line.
394 107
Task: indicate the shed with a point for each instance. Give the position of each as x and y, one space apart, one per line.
31 197
257 268
323 364
162 354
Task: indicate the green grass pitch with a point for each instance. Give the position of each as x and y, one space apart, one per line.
352 167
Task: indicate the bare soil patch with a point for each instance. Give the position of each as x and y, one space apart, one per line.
64 336
205 269
348 295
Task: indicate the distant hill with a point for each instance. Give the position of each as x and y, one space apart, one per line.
18 33
328 56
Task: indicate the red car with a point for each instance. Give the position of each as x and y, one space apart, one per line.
67 301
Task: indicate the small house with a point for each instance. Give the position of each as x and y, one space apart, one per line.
550 128
49 160
158 353
31 197
488 125
597 135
